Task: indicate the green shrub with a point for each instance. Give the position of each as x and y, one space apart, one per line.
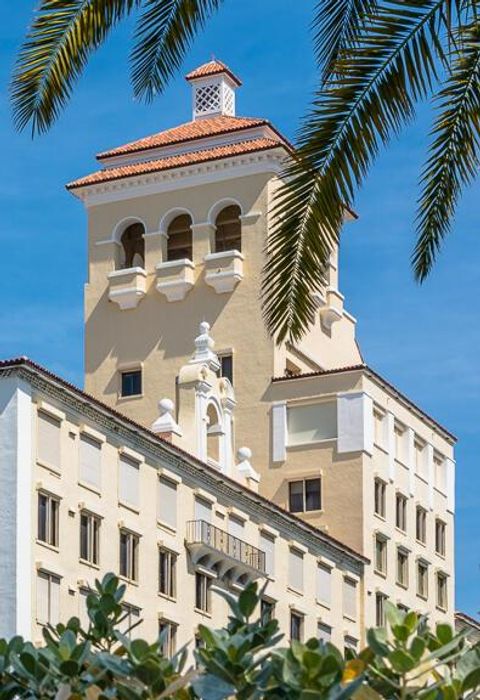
243 660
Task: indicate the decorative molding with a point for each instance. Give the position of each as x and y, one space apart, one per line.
127 287
223 271
175 278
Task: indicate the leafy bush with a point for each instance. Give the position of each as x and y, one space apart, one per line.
243 660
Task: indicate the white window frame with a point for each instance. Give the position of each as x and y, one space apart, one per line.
382 569
132 561
169 646
93 537
205 597
170 576
52 519
380 497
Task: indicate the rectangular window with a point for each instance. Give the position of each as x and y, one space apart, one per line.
324 632
296 626
380 497
324 584
295 569
226 367
442 600
203 510
440 544
440 468
167 572
128 481
236 528
350 645
130 619
311 423
90 461
400 442
421 525
48 598
402 567
267 610
380 554
202 592
305 495
129 543
401 512
48 437
48 510
83 594
89 537
422 579
350 598
380 428
132 383
380 617
168 633
167 502
267 545
420 457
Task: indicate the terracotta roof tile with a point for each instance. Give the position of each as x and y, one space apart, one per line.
190 131
175 161
212 68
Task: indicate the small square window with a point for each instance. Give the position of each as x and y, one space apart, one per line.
226 367
305 495
132 383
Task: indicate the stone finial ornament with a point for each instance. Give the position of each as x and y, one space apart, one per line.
165 425
204 352
245 469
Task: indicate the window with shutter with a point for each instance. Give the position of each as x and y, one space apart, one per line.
203 510
350 598
267 545
295 569
324 632
167 502
48 440
324 584
48 598
128 482
90 461
311 423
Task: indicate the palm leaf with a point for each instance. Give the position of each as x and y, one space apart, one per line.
62 36
336 25
369 98
454 155
165 31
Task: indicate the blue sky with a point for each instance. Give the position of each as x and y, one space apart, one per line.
423 339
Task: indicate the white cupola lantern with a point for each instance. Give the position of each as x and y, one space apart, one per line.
213 90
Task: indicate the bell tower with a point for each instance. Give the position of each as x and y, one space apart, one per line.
213 90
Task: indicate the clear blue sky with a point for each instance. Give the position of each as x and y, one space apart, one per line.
424 339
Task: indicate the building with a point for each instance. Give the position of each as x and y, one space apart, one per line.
469 626
177 227
85 490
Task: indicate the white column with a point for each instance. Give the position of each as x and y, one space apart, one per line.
430 473
16 465
355 422
390 427
226 447
279 431
450 476
201 393
410 438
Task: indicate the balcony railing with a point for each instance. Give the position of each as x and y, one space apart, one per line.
200 532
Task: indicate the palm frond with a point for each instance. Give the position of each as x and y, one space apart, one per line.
62 36
336 25
370 97
454 155
165 31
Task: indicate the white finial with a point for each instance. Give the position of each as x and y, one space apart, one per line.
204 351
245 469
165 423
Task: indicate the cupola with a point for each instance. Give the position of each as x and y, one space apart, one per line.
213 90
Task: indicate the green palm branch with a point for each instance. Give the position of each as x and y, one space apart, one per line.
377 59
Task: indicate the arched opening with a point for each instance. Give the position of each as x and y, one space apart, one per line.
132 246
228 229
179 243
214 432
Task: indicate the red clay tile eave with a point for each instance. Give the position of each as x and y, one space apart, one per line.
213 67
141 145
26 362
380 379
176 161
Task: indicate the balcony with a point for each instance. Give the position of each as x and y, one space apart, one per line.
223 271
330 306
214 548
175 278
127 287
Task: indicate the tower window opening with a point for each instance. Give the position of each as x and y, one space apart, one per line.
133 247
179 245
214 432
228 230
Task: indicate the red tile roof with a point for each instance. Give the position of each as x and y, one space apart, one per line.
175 161
212 68
190 131
27 363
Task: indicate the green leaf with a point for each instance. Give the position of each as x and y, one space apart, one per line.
248 600
401 661
377 640
444 633
212 688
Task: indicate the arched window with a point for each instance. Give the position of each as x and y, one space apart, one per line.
228 229
179 244
214 431
133 246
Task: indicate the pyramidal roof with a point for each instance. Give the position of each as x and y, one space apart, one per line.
213 67
214 132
